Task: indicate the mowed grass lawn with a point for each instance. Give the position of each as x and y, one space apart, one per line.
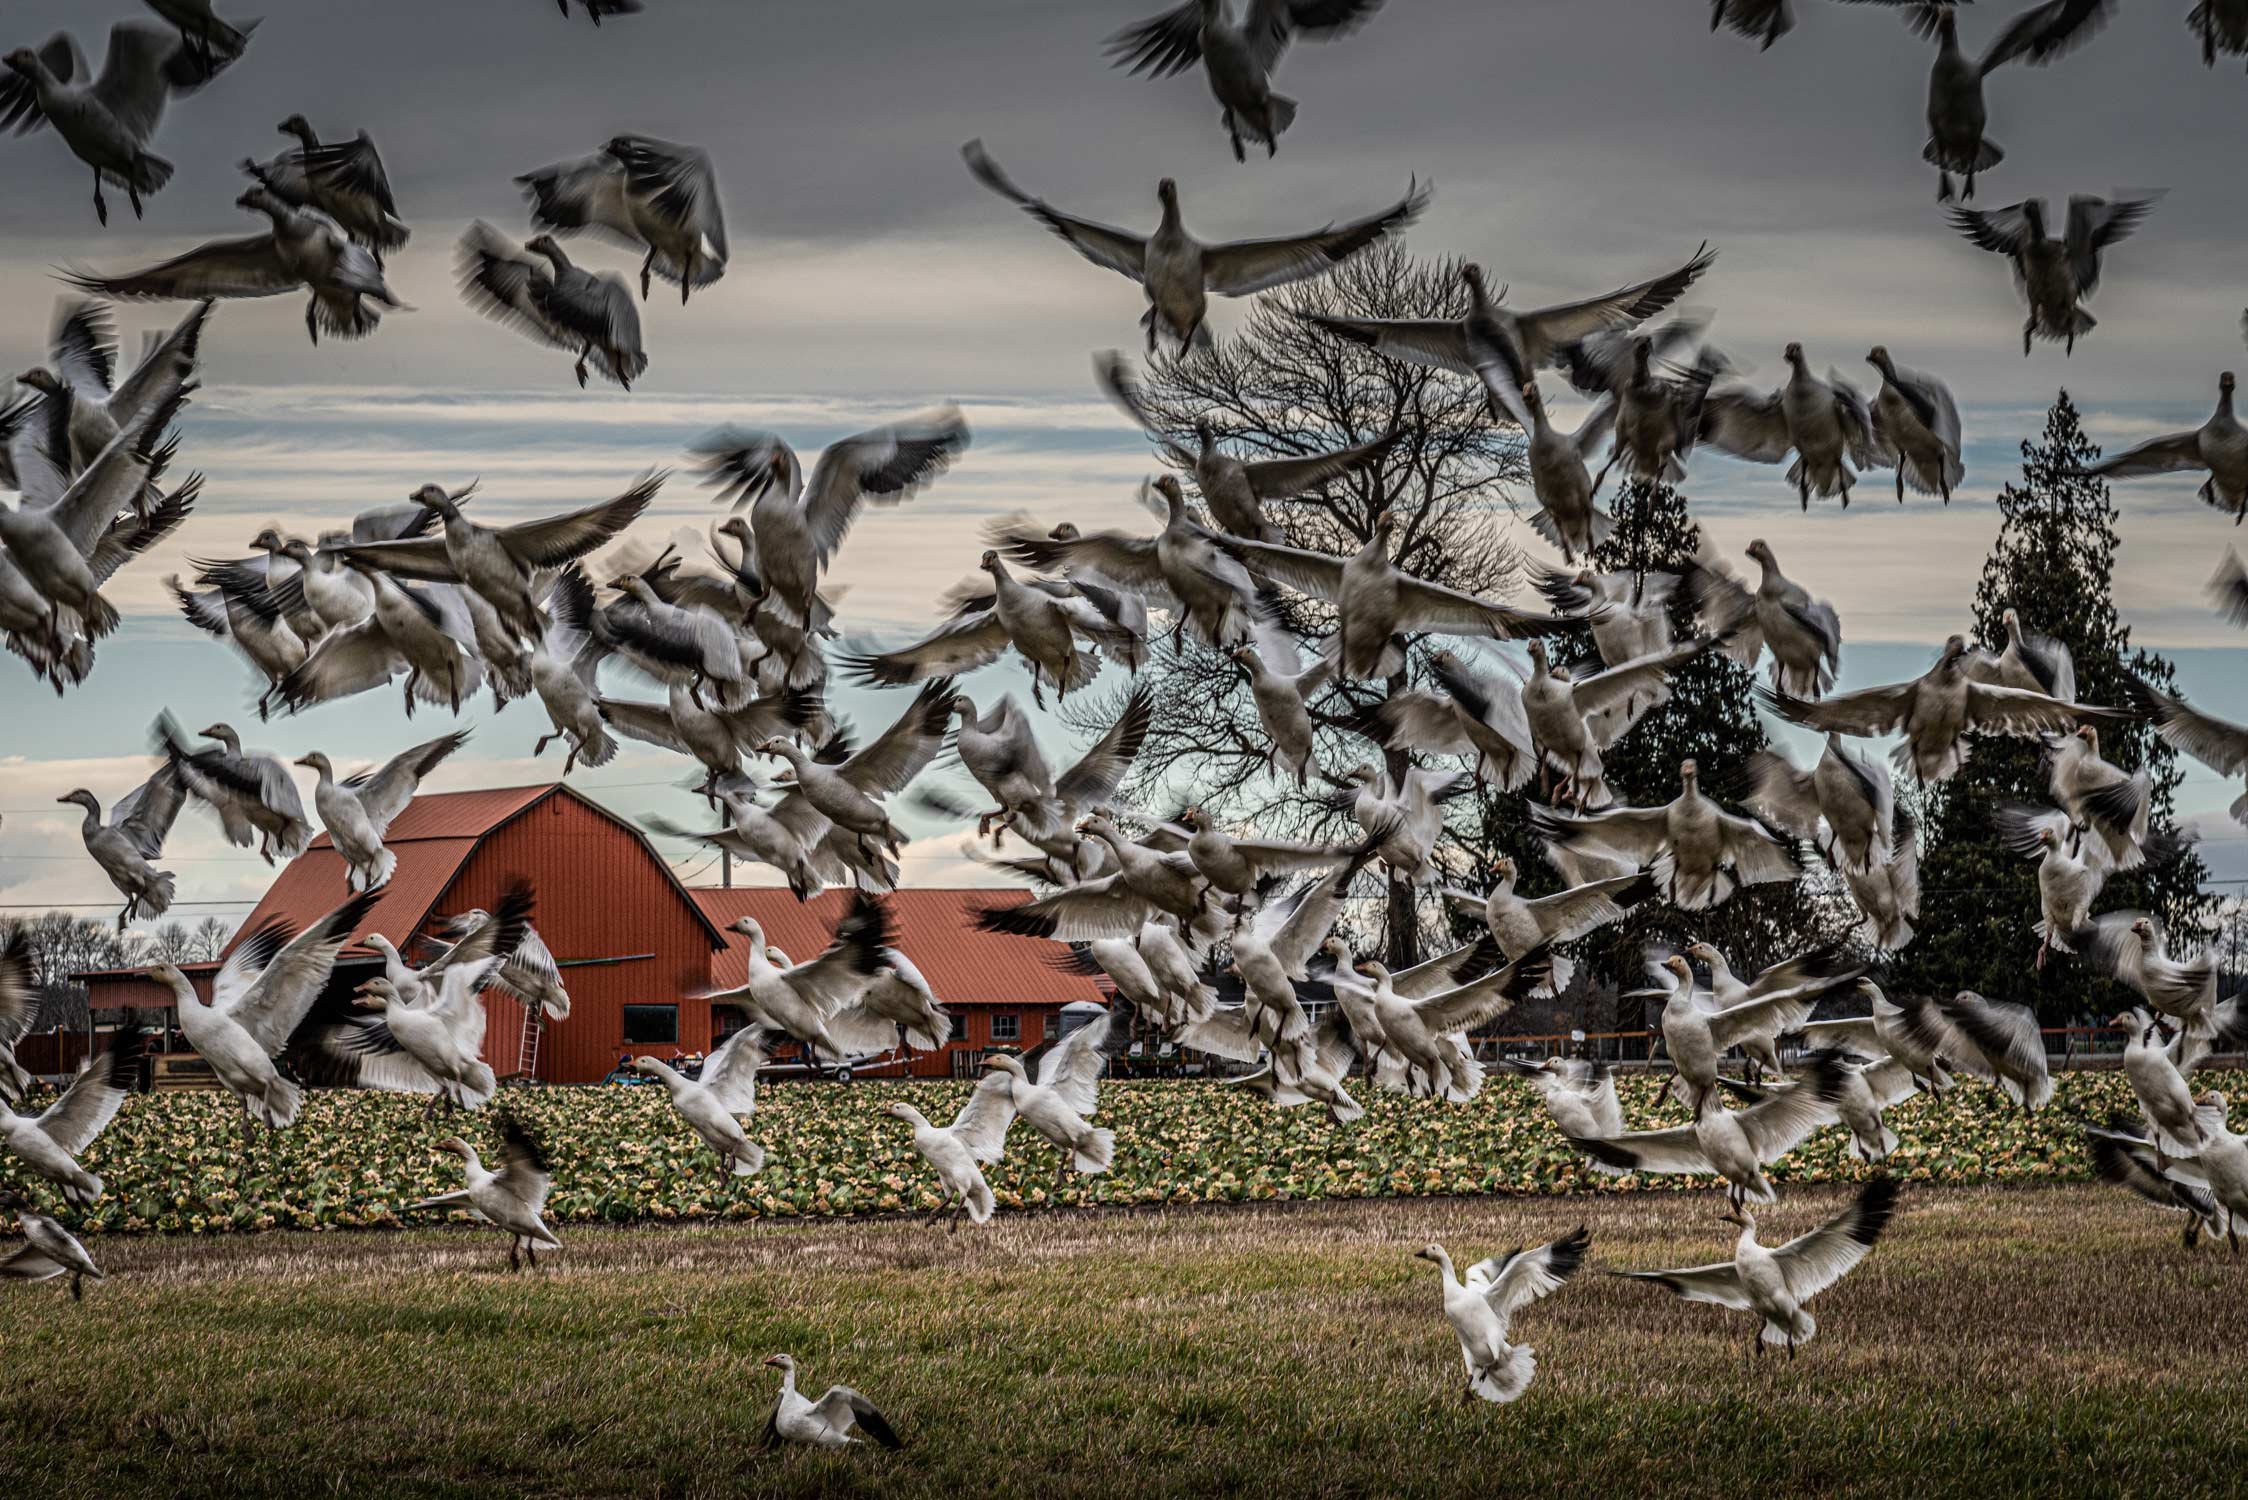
2005 1339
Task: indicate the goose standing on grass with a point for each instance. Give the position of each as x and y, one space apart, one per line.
1956 111
1734 1144
49 1143
358 810
534 289
251 792
2054 276
1936 711
127 846
266 987
1774 1282
1180 273
502 563
1915 429
107 122
796 525
1058 1103
2219 744
1779 615
640 191
1826 424
1518 924
1699 853
304 248
1238 58
343 179
1237 490
1561 477
48 1250
957 1151
1505 349
1481 1307
827 1422
512 1197
1579 1093
713 1102
2218 446
2124 1154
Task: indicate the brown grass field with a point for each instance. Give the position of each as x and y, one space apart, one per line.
2012 1340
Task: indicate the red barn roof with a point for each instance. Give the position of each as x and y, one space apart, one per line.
936 929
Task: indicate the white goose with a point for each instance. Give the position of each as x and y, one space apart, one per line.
49 1143
644 192
2071 870
827 1422
1699 853
48 1250
252 794
513 1196
1774 1282
1058 1102
19 1004
1779 615
800 999
128 844
359 810
1482 1307
1579 1093
2218 446
1916 429
1518 924
957 1151
1826 424
1735 1144
713 1103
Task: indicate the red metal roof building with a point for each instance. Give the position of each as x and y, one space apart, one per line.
632 941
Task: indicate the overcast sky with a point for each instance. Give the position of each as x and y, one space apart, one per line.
1574 144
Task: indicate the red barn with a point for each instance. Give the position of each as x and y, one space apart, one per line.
632 942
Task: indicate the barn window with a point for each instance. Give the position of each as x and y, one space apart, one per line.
651 1023
1006 1028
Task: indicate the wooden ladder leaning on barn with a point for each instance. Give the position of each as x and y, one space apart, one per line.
527 1047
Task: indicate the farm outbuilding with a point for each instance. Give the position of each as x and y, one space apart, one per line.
633 943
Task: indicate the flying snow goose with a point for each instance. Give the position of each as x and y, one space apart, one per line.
343 179
827 1422
850 794
1697 1031
1773 1283
1236 489
1579 1093
240 609
475 935
1467 713
2132 948
1910 1031
535 289
1936 711
59 645
1237 866
1850 799
1519 924
1803 634
50 1143
1824 423
957 1151
528 970
2035 663
1956 111
1178 272
2071 869
1999 1042
48 1250
1699 853
797 524
303 248
1629 613
1505 349
1368 1003
1144 883
1766 21
1281 685
1066 1092
1418 1027
513 1197
1237 57
1273 954
108 122
1000 751
1181 567
2100 796
893 1005
264 989
1820 965
58 544
2150 1064
2218 446
2219 744
429 634
1572 719
640 191
1735 1144
251 792
1376 602
2123 1154
1409 814
1040 618
596 9
713 1102
2054 276
80 386
1481 1308
1859 1090
1561 479
501 562
431 1042
1888 894
127 846
1915 429
564 665
1658 416
1315 1071
19 1006
799 999
358 810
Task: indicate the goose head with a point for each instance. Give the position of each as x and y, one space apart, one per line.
269 540
2049 838
301 128
453 1145
1167 485
1761 551
1206 433
964 707
991 564
2143 930
41 379
647 1065
2033 209
82 798
1374 969
2211 1099
447 503
1878 357
782 1362
1436 1253
1194 818
1742 1217
1246 656
261 201
1167 192
547 246
1503 872
1955 647
1688 774
165 972
26 62
1477 289
1793 354
748 928
1678 966
1705 953
317 761
2224 385
1642 356
225 735
1005 1063
2090 736
297 550
1538 658
374 994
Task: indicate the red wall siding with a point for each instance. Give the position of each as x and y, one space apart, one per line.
601 894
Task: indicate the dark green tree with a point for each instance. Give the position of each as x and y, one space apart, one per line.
2053 564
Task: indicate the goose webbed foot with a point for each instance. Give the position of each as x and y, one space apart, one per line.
101 204
647 274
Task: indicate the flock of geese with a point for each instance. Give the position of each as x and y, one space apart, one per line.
424 597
